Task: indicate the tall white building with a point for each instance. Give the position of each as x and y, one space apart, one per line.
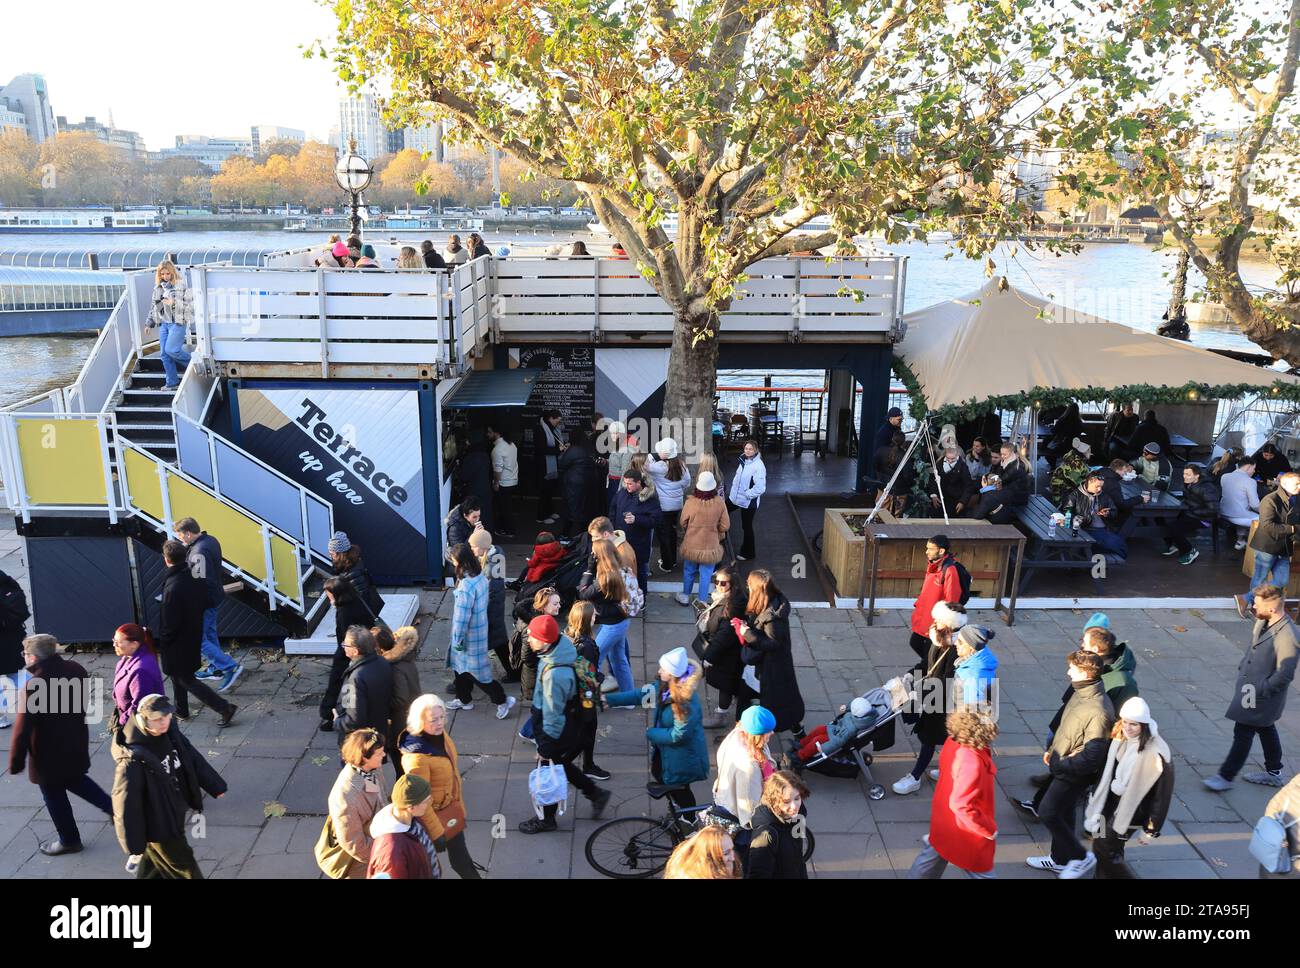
359 119
27 96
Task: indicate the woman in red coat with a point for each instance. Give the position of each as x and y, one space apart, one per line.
963 829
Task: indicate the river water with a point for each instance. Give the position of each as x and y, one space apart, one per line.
1126 283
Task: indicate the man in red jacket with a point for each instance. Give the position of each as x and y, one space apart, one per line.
402 848
942 583
963 826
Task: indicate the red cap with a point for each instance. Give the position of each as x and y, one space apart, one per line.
544 628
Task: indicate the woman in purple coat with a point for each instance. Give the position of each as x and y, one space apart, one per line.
137 673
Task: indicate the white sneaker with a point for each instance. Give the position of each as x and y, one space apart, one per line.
1240 545
1076 869
934 774
609 684
5 723
908 784
1044 863
503 710
720 711
457 704
682 598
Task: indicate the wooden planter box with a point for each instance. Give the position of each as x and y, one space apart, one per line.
843 550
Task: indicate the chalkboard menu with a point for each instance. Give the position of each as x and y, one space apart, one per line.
567 383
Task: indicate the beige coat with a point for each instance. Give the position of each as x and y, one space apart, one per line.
739 787
703 522
353 803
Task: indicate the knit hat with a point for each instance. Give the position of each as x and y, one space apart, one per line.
1098 621
340 543
544 537
340 250
1081 447
757 721
480 541
1136 710
616 428
949 618
1152 448
675 663
706 482
544 628
368 251
894 412
411 791
975 636
666 449
859 708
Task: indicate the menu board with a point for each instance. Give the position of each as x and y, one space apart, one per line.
567 383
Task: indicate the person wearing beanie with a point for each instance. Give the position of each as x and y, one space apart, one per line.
159 778
680 754
963 813
367 260
932 678
942 583
704 521
1153 468
1098 620
744 764
493 562
860 714
346 560
618 455
558 734
885 432
1134 792
402 848
672 483
975 673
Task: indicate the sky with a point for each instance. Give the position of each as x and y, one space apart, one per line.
169 67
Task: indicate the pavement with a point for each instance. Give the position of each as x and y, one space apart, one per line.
280 768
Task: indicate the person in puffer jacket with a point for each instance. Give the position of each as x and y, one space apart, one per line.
672 482
976 670
1200 508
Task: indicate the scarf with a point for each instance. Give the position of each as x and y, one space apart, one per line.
553 439
422 835
1141 773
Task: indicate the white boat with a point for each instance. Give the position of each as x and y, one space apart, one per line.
77 220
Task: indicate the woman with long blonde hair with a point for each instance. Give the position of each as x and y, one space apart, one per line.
171 313
409 259
744 763
706 855
606 590
709 465
580 628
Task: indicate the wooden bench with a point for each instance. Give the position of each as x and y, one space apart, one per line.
1061 550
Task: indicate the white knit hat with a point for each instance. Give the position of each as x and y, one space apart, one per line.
706 482
675 663
947 617
860 707
1136 710
666 448
1083 449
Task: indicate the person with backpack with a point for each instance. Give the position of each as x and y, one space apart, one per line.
946 580
680 754
605 589
14 614
581 622
1134 792
556 725
932 678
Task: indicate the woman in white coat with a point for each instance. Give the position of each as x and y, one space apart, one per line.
744 763
747 487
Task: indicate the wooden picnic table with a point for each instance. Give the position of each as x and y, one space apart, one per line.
1185 444
1151 515
1049 551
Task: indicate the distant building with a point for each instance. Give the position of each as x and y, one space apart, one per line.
14 120
264 134
426 139
27 96
212 152
109 134
1036 170
359 118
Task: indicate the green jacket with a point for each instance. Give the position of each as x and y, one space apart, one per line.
1118 679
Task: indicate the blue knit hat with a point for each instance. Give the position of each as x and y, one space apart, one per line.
757 721
1098 621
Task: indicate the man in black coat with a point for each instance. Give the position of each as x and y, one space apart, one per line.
205 564
637 519
367 691
160 777
180 635
1200 507
885 432
1113 477
1274 539
954 484
1119 430
52 741
1149 431
14 614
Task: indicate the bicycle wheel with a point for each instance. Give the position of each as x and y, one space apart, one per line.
632 847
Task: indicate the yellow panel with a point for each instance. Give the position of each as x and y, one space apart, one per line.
63 462
240 535
142 481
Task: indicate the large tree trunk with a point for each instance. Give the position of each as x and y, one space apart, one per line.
1276 333
692 382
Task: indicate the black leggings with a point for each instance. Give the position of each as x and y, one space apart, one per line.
338 666
199 690
461 862
464 684
666 529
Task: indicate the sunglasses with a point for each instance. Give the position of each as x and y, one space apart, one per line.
723 584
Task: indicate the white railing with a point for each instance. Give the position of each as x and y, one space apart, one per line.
51 401
786 296
322 316
471 296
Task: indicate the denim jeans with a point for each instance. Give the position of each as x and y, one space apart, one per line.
929 866
611 641
1242 739
1271 569
171 347
10 686
212 645
56 802
1110 542
692 568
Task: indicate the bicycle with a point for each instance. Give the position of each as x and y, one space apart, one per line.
638 847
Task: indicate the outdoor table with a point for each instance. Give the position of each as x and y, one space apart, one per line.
1185 444
1061 550
1009 542
1162 507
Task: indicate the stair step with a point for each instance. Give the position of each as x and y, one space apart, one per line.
150 392
142 408
125 424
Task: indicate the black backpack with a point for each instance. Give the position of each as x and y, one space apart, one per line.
14 612
963 578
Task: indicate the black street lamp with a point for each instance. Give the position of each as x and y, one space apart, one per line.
353 173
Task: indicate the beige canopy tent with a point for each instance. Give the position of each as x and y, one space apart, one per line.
1001 341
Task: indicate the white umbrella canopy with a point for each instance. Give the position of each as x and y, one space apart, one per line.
1001 341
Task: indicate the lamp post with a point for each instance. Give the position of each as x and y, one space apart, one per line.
353 173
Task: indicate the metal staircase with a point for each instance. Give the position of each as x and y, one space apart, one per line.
144 409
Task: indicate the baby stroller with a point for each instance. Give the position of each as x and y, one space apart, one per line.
887 704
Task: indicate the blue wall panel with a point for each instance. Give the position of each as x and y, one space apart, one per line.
318 523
